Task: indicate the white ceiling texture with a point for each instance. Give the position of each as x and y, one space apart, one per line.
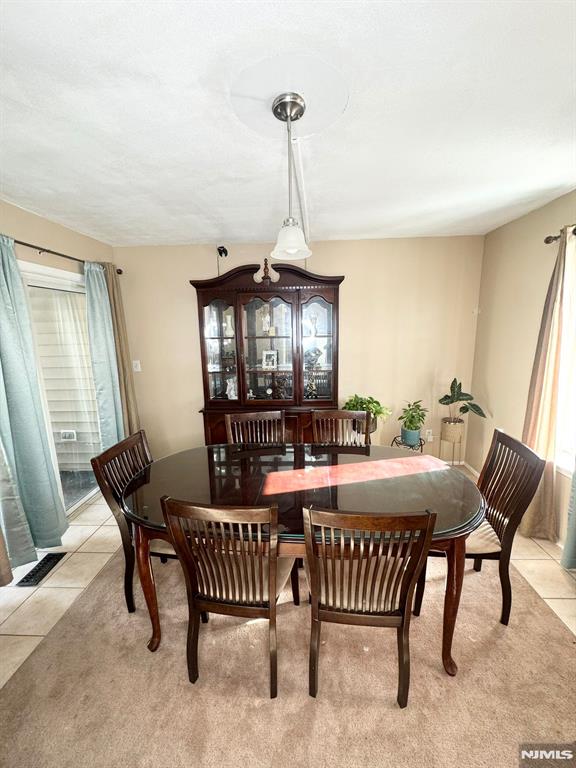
119 119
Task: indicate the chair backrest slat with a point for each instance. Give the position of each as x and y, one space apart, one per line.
260 427
508 482
117 466
341 427
365 565
227 553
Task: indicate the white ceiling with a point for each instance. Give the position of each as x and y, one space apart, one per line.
117 118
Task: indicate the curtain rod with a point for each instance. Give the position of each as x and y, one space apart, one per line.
553 238
56 253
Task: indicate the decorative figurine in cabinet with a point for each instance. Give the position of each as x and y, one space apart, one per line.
268 346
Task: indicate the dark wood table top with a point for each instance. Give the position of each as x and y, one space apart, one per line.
376 479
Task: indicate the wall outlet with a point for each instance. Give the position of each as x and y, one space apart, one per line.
136 367
429 436
67 435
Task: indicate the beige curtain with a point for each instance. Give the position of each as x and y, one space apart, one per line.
542 409
126 380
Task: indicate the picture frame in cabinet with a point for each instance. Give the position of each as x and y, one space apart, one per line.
270 360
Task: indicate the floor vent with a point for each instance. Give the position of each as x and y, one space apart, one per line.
35 576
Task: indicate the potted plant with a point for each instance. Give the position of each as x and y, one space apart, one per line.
359 403
453 425
412 417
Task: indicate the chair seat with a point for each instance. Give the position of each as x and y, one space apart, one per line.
483 541
283 569
161 547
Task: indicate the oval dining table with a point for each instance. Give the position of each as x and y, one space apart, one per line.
368 480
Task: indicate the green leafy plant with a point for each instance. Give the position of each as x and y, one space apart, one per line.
359 403
413 415
456 396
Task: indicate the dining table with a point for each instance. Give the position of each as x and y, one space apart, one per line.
364 479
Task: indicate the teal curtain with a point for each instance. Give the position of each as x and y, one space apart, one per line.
19 544
103 354
32 511
569 554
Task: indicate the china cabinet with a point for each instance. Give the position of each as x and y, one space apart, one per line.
268 345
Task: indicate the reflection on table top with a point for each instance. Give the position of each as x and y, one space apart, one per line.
370 480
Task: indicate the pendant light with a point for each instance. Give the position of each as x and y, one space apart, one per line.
291 244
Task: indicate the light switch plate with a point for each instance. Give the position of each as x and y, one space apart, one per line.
136 367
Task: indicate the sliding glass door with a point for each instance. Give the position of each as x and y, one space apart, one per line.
58 310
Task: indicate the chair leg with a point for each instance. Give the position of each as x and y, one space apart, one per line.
294 583
420 586
403 666
503 569
204 617
314 657
129 559
273 658
192 644
478 564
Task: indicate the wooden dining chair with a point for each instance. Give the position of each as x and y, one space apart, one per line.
230 563
363 571
262 427
508 481
114 469
341 427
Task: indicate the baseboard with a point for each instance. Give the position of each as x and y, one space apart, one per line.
470 469
83 504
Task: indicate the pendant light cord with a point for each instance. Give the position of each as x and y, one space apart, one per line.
289 127
303 219
293 177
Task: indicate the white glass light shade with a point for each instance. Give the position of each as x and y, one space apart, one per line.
291 245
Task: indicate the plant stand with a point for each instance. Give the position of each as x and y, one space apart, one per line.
454 444
397 443
452 432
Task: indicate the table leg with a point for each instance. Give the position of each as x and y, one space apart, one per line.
146 574
456 556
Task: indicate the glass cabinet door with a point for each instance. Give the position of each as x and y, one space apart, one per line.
268 344
220 350
317 349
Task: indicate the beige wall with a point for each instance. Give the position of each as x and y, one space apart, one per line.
23 225
407 324
515 275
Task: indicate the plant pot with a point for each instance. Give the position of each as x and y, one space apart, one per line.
410 437
452 431
359 427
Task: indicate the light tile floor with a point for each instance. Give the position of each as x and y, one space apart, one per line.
27 614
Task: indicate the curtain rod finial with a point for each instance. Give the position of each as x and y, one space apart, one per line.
552 238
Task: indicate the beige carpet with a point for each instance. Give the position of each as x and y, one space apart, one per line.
91 694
